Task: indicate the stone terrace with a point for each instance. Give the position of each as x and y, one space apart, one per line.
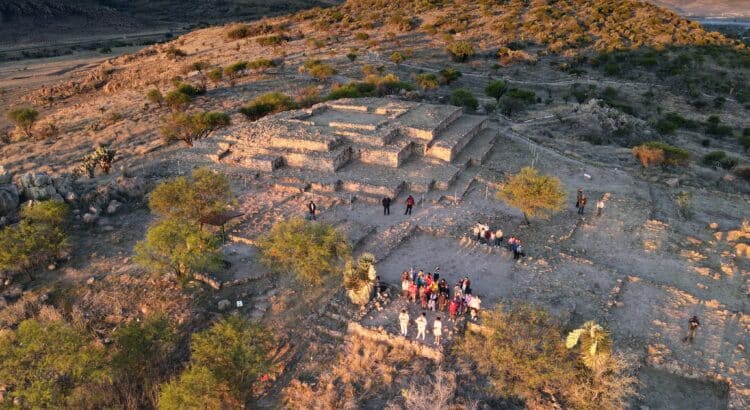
367 147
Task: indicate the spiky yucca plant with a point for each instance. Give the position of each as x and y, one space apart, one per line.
595 345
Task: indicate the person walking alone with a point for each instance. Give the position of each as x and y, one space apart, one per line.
409 205
693 324
421 322
599 207
403 320
387 205
437 329
311 207
581 204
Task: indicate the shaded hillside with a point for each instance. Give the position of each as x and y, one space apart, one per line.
22 19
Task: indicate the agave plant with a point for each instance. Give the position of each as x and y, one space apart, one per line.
595 345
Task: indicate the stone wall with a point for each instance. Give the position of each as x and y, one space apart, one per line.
399 341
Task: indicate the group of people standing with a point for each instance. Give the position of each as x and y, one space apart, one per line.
387 201
581 201
433 293
483 233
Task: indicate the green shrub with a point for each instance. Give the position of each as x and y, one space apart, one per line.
362 36
189 90
660 153
612 68
174 52
352 90
388 84
744 139
190 127
460 51
51 365
464 98
318 69
269 103
396 57
516 100
101 157
238 31
173 246
496 89
193 199
720 159
534 194
351 56
450 74
234 70
664 126
261 64
155 97
177 100
427 81
196 388
308 249
24 119
40 237
216 75
273 40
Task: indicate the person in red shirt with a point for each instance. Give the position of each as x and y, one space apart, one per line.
453 308
409 205
413 291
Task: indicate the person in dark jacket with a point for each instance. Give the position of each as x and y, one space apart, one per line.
311 207
693 324
386 206
409 205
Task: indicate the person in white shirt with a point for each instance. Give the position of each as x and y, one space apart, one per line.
403 319
474 304
498 237
599 207
421 325
437 329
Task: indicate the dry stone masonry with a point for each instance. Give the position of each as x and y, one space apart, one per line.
368 147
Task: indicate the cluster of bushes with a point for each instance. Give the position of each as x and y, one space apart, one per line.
50 363
720 159
269 103
318 69
660 153
578 371
190 127
373 86
40 237
427 81
273 40
464 98
460 51
240 31
177 99
174 53
176 244
516 99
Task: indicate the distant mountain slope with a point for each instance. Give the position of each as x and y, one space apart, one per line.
708 8
31 21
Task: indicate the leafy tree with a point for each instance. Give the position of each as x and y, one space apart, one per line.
24 119
521 353
450 74
595 345
427 81
460 51
397 58
196 389
50 365
534 194
496 89
192 199
177 100
309 249
40 237
237 351
141 359
269 103
188 128
175 246
464 98
155 96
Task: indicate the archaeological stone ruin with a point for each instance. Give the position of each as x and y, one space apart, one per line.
366 147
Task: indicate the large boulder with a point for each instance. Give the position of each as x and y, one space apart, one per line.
38 187
9 199
131 187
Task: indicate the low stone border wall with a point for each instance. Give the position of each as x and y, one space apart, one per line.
394 340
